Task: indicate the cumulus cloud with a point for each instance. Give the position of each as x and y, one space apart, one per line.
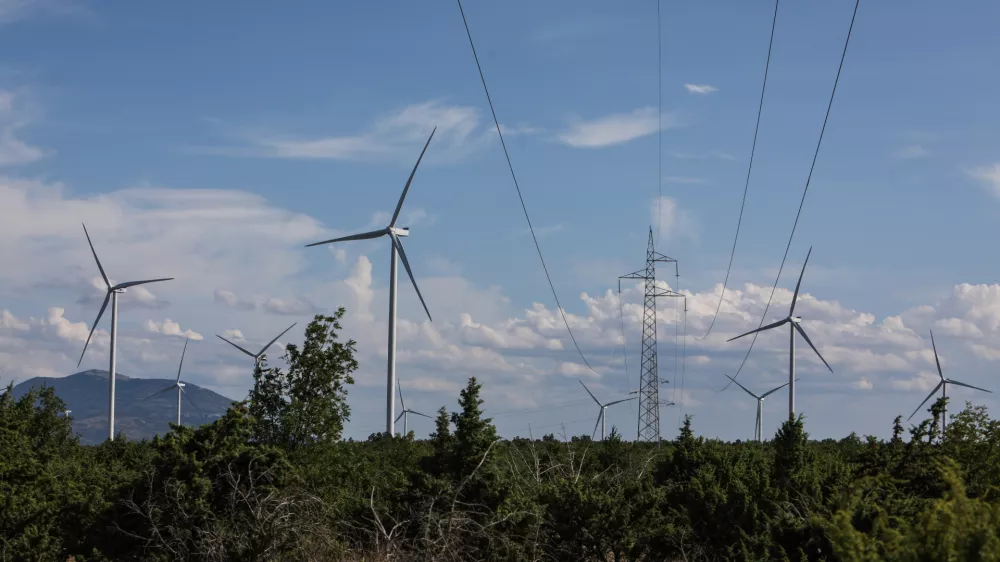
230 299
13 150
170 328
700 89
863 383
671 221
616 128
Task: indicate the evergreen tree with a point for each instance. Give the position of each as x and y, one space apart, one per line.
473 433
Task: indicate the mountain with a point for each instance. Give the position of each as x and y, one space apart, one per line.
86 394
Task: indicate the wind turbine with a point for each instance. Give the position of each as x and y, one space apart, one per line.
406 410
602 418
177 384
112 295
796 325
943 385
758 430
394 233
260 354
66 413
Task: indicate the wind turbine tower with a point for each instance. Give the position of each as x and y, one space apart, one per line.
602 419
257 357
394 233
943 385
111 295
795 324
758 428
649 378
406 410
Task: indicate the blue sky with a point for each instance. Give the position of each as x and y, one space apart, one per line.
211 142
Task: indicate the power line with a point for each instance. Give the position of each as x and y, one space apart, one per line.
746 187
659 117
520 196
805 191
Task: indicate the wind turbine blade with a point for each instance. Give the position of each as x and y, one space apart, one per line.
795 297
401 414
182 361
191 401
745 389
761 329
399 206
128 284
968 386
809 341
773 390
593 433
936 360
93 251
419 414
399 388
171 387
270 343
234 345
362 236
589 392
925 400
107 298
406 264
620 401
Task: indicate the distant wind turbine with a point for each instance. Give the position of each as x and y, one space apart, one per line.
796 325
602 417
112 295
394 233
260 354
943 385
406 410
66 413
177 384
758 429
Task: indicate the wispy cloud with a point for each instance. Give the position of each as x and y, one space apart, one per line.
13 116
910 152
700 89
617 128
989 175
671 221
459 132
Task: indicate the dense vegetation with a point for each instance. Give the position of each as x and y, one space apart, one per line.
273 480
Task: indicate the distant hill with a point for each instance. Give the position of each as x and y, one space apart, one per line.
86 394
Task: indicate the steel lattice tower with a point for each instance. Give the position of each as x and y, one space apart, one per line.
649 378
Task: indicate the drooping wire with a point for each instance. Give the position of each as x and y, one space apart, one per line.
520 196
746 186
805 191
659 122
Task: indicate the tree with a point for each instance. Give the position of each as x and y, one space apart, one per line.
473 433
308 403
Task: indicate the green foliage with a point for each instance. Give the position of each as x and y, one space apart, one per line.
272 480
308 402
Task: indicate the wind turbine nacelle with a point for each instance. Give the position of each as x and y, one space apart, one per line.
180 384
400 231
795 319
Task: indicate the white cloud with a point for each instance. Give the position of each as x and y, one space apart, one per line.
392 137
990 175
700 89
14 151
863 383
615 129
170 328
924 380
911 152
234 335
672 221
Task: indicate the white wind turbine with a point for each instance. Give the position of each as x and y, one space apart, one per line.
177 384
943 385
796 325
602 418
260 354
758 429
406 410
394 233
112 295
